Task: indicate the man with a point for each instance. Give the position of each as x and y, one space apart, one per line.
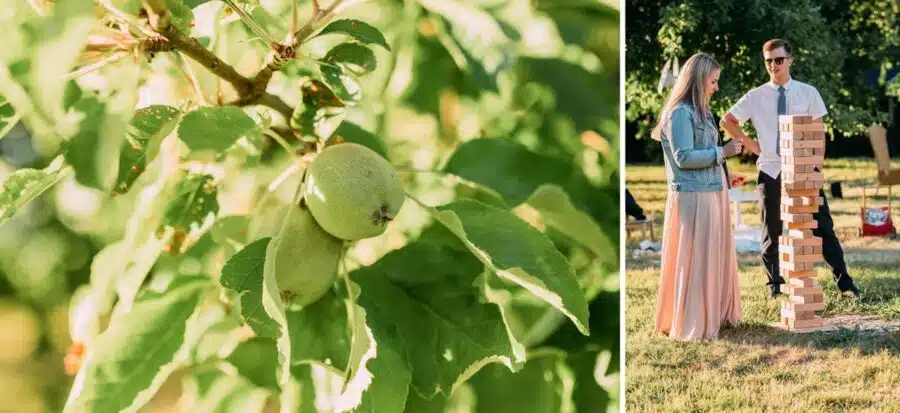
762 105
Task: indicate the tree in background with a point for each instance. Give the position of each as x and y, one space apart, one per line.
837 44
151 148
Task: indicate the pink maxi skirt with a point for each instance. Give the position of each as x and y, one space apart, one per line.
699 289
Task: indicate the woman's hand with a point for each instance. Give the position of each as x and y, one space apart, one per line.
737 180
733 147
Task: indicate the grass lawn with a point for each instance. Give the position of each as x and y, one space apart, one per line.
754 367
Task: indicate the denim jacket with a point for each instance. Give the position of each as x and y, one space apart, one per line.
692 154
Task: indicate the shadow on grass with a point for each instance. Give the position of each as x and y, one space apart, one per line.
866 342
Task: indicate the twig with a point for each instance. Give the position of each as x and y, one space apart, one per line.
192 79
248 20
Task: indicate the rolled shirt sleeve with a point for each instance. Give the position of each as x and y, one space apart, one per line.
682 140
743 109
816 105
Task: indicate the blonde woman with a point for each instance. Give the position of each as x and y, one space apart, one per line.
698 290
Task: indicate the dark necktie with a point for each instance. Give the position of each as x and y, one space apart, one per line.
782 110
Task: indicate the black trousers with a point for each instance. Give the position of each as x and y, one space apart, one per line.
770 205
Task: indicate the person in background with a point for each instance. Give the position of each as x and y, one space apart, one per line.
782 95
699 290
632 208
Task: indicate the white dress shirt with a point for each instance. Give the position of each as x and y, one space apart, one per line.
760 106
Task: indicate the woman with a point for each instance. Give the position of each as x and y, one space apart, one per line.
699 284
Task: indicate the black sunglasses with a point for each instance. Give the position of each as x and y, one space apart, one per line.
777 60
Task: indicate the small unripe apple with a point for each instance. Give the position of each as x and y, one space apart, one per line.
304 258
352 191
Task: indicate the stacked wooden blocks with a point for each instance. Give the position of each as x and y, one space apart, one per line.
802 157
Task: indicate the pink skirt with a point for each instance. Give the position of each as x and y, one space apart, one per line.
699 289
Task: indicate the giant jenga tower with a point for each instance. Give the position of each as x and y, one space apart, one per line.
802 158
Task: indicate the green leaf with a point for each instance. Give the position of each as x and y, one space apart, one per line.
8 117
24 185
388 371
193 202
137 350
419 404
344 85
93 151
230 233
518 253
243 273
353 57
544 386
55 51
257 360
351 132
320 332
426 291
556 211
214 127
357 29
215 391
320 112
475 40
148 128
516 173
299 395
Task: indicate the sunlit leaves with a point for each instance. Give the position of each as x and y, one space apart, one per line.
136 350
191 207
319 114
23 185
358 30
214 127
144 135
244 274
353 57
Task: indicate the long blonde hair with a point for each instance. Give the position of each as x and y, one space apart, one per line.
688 89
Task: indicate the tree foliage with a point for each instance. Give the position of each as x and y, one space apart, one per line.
151 148
837 44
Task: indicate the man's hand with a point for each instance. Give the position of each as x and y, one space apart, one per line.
737 180
733 128
733 147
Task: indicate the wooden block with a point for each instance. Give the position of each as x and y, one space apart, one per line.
794 242
803 144
801 169
802 160
792 306
802 177
791 289
796 266
797 274
799 193
800 233
804 324
808 127
807 282
797 152
801 225
796 217
803 200
807 298
804 258
799 209
815 136
798 315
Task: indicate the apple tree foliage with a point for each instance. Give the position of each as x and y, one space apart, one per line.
150 145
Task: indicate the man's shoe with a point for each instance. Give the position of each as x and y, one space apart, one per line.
851 292
776 293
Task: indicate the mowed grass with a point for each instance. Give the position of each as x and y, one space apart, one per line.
754 367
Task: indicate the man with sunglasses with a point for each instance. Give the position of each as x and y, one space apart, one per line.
782 95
